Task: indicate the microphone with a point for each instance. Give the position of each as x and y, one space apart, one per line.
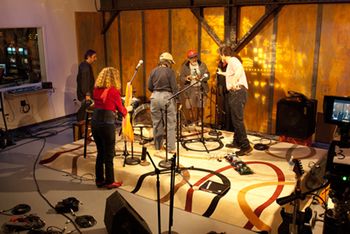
205 77
139 64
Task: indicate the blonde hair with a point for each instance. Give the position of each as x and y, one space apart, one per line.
108 77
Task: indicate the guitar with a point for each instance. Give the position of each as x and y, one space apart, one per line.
298 222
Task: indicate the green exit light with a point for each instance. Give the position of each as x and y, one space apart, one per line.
345 178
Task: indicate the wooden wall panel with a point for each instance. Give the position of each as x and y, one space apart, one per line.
112 45
131 51
156 39
184 35
88 30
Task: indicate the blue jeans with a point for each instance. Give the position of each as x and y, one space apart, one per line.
236 102
158 102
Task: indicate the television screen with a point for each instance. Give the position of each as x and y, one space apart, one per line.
336 110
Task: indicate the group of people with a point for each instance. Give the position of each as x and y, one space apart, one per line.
106 95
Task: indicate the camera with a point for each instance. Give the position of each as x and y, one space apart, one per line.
336 111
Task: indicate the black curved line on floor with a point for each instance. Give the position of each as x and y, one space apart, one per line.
213 204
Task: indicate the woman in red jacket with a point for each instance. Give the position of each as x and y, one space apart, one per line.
107 100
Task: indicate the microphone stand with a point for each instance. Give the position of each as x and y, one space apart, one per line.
157 172
202 139
165 163
131 160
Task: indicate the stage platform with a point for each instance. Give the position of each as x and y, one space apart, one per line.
250 201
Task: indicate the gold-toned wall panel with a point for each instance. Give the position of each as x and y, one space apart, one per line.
295 47
215 18
256 58
131 51
334 68
184 35
112 45
88 30
294 51
156 38
249 16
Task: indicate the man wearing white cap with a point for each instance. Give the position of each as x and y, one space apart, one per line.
162 84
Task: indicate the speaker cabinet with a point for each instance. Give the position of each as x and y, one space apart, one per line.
121 218
296 117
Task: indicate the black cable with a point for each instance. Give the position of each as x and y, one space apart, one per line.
40 193
36 138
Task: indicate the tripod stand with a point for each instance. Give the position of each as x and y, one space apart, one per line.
201 138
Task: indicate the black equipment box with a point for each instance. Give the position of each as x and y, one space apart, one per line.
296 117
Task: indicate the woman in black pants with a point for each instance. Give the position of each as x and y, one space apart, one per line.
107 100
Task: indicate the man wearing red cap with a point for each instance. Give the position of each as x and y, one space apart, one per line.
191 71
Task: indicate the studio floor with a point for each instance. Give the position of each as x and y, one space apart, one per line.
46 167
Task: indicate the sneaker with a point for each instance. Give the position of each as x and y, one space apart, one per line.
100 184
113 185
232 145
244 151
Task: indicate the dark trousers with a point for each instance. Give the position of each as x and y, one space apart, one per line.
104 136
236 101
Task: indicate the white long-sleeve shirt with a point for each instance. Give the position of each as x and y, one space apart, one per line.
235 75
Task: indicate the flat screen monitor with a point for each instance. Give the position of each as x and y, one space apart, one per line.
336 110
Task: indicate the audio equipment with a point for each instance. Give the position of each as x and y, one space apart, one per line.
120 217
296 117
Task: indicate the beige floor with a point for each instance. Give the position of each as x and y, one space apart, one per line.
18 167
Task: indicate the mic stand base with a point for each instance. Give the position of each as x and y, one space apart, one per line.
214 132
132 161
165 164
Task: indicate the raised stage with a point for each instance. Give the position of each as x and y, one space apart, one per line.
249 203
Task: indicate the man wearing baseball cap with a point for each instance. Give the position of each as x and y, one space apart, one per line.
191 71
162 84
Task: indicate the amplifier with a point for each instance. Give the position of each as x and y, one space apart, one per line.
296 117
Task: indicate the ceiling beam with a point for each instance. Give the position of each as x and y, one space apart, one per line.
129 5
197 13
106 26
257 27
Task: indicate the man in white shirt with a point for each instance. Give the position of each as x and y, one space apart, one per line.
237 86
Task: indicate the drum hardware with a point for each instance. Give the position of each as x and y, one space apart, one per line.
141 119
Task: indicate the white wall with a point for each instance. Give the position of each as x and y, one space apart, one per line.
56 17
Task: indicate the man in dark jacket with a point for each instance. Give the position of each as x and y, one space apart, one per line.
85 82
193 70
